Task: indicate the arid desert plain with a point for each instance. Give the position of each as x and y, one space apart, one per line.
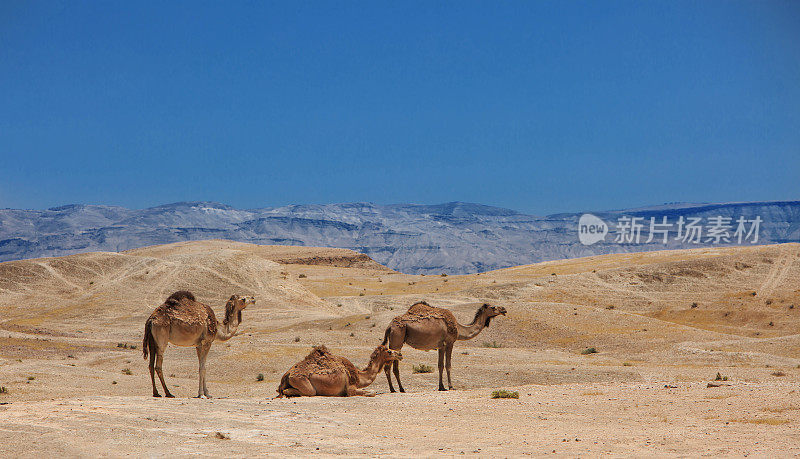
664 325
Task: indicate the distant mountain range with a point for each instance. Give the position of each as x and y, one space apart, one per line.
455 238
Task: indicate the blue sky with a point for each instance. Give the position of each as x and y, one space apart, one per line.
541 107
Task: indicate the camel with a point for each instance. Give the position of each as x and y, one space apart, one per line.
184 321
425 327
322 373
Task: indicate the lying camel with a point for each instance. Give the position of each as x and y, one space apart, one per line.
184 321
425 327
322 373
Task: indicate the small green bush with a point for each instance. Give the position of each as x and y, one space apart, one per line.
302 276
3 390
502 393
588 351
720 377
31 378
127 371
493 344
422 368
260 377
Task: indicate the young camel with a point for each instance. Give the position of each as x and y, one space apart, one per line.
184 321
322 373
425 327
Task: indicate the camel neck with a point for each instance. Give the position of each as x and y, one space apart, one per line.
470 331
368 374
226 330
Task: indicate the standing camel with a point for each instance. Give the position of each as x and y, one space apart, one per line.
425 327
184 321
322 373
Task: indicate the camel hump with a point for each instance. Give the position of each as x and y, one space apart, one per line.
318 352
180 295
420 306
423 311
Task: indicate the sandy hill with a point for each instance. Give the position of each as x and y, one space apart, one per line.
113 292
670 318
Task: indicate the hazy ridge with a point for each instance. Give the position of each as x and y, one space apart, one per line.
454 237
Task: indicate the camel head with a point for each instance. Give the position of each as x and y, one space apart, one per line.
385 354
236 304
489 312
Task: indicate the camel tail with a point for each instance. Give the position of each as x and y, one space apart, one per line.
148 338
386 336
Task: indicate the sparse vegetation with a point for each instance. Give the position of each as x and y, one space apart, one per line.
444 275
260 377
719 377
31 378
3 390
778 373
302 276
361 294
127 371
694 305
422 368
493 344
627 364
296 339
113 382
502 393
589 350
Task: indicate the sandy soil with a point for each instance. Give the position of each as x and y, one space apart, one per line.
663 324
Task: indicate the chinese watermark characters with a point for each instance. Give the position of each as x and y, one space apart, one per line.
686 230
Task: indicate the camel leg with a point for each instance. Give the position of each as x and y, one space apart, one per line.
202 353
441 367
300 386
387 368
159 361
397 338
396 368
153 352
291 392
353 390
448 354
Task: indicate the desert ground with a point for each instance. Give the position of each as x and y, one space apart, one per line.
663 325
